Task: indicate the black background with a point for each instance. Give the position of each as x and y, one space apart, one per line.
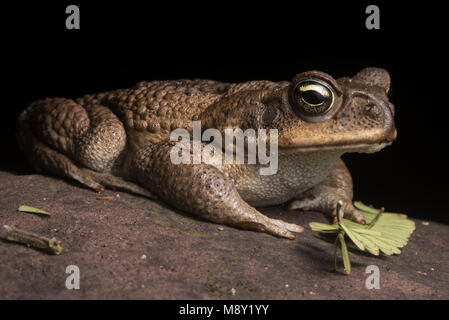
124 42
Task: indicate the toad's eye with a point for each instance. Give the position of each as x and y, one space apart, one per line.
312 97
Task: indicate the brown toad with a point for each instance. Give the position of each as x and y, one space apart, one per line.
121 139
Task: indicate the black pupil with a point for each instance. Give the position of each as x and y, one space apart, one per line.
313 97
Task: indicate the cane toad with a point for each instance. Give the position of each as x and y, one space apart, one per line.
120 139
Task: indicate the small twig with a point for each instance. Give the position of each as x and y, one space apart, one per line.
106 197
30 239
376 218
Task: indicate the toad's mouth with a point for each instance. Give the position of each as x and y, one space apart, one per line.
359 148
370 145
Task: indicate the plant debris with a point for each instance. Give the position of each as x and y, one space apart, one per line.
106 197
384 232
50 245
29 209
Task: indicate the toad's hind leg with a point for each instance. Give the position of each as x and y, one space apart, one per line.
61 137
201 189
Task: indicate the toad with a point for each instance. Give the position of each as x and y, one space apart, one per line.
121 139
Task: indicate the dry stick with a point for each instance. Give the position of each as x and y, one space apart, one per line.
106 197
34 240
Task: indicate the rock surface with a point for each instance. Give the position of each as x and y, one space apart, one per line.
134 248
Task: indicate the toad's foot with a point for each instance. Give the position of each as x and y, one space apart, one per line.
328 204
325 196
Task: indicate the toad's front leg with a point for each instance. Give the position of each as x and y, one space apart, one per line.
325 196
201 189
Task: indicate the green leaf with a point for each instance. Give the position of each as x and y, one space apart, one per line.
336 243
29 209
367 231
322 227
353 237
387 233
344 253
363 207
384 232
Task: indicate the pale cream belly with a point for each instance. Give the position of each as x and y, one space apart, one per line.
296 173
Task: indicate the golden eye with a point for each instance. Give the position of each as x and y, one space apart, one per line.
312 97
